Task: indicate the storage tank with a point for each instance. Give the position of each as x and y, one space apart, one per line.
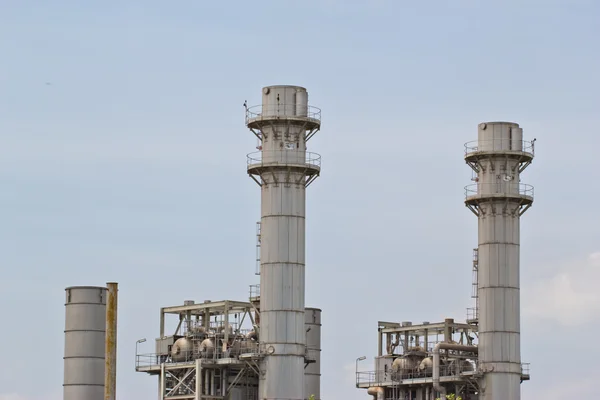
182 350
85 330
207 348
426 364
312 372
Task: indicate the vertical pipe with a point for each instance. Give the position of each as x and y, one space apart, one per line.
212 382
161 389
198 380
110 358
207 382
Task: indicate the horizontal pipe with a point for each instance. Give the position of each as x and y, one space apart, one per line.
436 362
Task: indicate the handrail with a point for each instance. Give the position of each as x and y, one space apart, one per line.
283 157
282 111
507 188
491 145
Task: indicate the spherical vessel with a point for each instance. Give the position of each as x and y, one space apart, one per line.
426 364
182 350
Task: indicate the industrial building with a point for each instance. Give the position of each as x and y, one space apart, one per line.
267 347
479 359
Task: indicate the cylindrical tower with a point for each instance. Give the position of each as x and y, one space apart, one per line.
283 169
498 198
312 373
85 325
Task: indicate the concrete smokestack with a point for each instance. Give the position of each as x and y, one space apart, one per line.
283 169
85 325
110 369
498 199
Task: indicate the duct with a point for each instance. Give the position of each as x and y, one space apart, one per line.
436 362
377 392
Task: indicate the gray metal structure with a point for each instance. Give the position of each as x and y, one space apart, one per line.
283 169
479 359
498 199
211 350
84 357
312 372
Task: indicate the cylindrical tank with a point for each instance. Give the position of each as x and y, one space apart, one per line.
426 364
312 372
85 330
301 102
403 363
206 348
182 350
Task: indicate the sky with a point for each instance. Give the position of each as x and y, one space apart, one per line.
123 155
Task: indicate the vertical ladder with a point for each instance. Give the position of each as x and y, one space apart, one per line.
474 292
257 267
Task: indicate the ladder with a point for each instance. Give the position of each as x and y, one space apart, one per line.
257 267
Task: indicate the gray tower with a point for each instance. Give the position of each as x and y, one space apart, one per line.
85 329
498 199
283 169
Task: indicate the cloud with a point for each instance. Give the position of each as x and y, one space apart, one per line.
570 297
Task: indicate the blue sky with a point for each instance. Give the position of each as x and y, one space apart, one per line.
122 158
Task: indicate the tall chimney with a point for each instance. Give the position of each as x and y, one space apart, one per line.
498 199
283 169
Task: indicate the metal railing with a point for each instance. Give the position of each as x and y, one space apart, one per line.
507 188
282 111
456 368
216 353
254 291
472 313
500 145
284 157
374 378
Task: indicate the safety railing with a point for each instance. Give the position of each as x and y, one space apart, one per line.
454 368
472 313
525 369
186 356
372 378
283 157
500 145
268 111
507 188
254 291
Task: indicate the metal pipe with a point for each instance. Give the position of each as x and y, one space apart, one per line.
436 361
206 382
212 383
377 392
110 358
427 396
198 380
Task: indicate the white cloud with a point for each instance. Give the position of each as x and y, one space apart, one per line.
570 297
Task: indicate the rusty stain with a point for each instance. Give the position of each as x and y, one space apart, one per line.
110 368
